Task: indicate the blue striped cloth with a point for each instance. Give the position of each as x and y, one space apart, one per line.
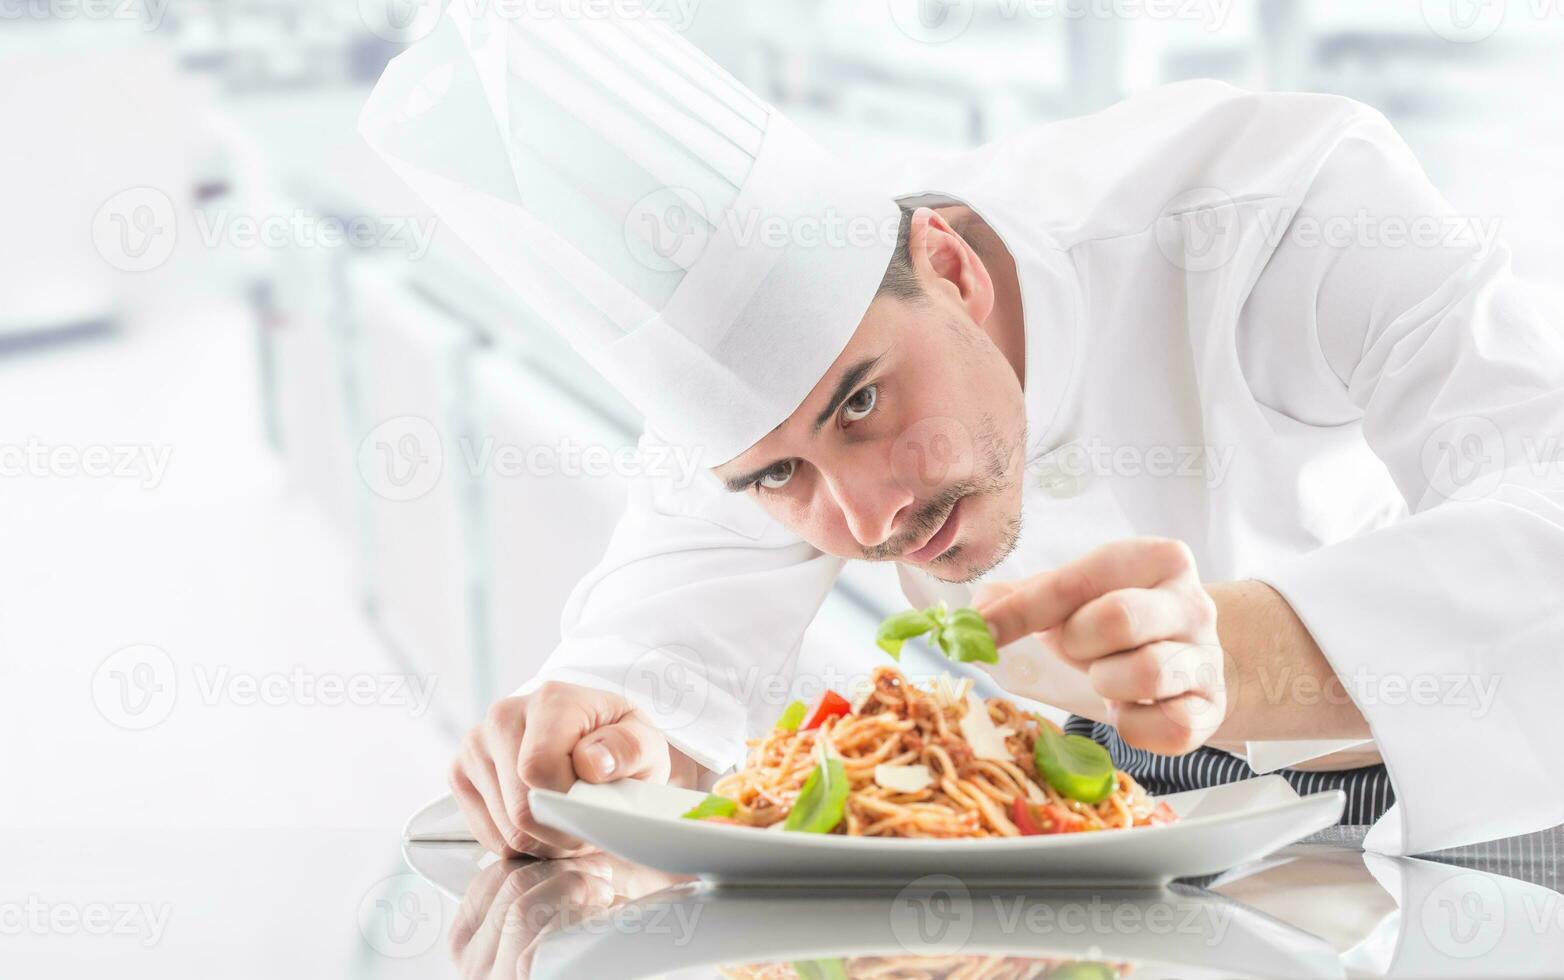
1369 793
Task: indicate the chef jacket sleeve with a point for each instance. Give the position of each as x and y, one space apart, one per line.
696 613
1445 627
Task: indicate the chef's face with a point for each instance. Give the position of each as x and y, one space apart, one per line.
908 449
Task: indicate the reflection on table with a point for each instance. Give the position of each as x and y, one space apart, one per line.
1317 910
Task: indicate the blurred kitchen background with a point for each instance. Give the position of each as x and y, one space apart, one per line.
253 399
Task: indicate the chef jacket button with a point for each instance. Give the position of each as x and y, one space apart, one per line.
1062 486
1063 472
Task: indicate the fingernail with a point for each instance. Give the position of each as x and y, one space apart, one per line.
600 759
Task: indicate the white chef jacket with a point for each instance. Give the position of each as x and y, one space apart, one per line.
1251 324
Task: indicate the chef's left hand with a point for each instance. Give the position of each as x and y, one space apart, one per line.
1134 616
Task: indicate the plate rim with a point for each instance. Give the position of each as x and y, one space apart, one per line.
1035 841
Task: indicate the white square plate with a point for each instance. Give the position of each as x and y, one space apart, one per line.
1218 828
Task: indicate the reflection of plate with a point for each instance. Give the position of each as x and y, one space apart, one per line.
1218 828
1169 932
449 867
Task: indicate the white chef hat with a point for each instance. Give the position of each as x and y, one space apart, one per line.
707 257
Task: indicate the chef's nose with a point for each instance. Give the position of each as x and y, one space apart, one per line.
870 498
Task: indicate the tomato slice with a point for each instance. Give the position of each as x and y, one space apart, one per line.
1161 815
831 705
1060 820
1021 815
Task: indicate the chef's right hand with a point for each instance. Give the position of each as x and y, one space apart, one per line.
550 738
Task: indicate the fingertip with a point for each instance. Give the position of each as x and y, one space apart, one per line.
1000 623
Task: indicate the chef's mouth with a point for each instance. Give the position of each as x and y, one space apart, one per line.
940 541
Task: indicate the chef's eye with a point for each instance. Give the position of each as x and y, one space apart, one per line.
861 403
777 476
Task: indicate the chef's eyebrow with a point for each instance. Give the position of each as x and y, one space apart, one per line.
846 385
739 484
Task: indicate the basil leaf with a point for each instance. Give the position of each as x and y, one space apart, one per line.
902 627
967 619
712 806
822 802
968 645
832 969
1074 765
962 636
792 717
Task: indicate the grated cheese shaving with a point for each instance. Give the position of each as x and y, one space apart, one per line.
903 779
986 739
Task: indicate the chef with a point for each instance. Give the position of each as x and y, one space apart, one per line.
1232 428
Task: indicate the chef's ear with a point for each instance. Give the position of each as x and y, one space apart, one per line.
945 262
